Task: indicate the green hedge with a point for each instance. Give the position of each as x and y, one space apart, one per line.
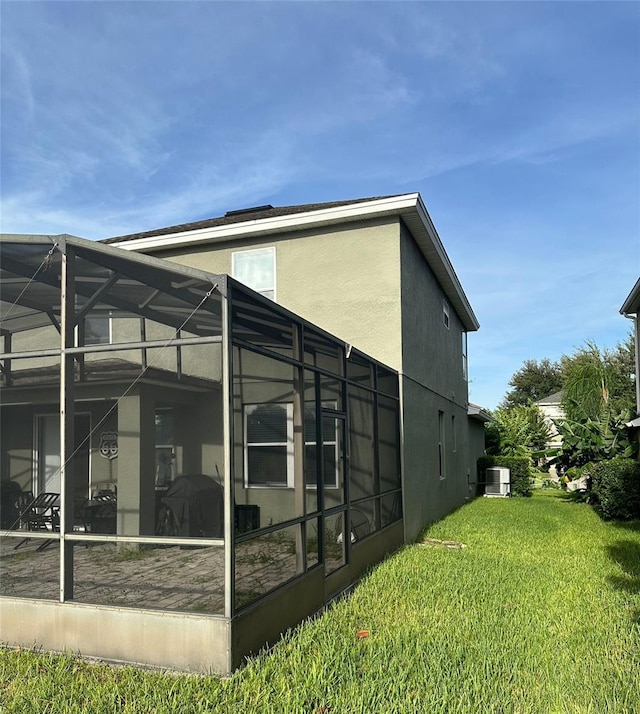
615 488
519 466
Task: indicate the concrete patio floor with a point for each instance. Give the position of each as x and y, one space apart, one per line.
164 577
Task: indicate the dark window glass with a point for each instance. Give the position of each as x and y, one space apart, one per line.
387 381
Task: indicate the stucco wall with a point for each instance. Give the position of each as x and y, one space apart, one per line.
431 353
344 279
369 284
432 382
427 496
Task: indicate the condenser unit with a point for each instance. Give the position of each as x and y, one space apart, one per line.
498 482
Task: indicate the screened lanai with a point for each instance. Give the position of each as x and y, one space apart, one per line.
181 458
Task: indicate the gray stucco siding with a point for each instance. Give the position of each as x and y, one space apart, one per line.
431 352
344 279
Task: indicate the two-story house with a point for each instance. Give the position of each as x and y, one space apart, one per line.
192 461
375 273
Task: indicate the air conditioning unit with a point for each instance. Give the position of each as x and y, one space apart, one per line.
498 482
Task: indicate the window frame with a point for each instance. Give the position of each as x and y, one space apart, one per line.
330 405
165 447
446 314
288 444
442 459
109 340
236 256
465 356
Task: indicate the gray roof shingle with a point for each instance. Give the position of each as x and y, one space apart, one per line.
261 212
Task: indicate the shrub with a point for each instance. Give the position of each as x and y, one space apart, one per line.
519 466
616 488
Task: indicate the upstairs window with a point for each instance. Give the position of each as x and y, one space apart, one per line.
445 314
97 330
256 269
465 365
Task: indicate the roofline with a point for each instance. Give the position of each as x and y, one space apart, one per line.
407 206
277 224
631 305
474 411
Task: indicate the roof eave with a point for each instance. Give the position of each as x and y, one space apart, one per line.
408 206
278 224
631 305
474 411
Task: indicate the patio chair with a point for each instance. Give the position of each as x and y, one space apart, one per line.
41 514
14 502
103 512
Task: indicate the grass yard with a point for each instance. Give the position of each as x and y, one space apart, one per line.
539 613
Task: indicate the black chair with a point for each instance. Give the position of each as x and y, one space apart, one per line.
13 501
42 513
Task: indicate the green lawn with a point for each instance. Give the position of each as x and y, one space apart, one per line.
539 613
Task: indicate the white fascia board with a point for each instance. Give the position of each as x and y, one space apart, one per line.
409 206
631 305
278 224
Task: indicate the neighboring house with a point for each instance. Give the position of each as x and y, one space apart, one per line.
631 310
214 464
551 407
374 272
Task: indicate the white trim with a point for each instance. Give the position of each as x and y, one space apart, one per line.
266 249
277 224
407 206
446 314
442 445
465 356
109 327
289 444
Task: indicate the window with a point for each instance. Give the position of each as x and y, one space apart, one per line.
268 450
268 453
441 444
454 441
445 314
97 330
465 368
256 269
329 445
165 455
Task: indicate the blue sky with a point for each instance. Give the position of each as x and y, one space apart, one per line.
518 122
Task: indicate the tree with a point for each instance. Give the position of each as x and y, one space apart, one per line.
622 389
517 431
596 380
598 400
532 382
586 383
586 439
